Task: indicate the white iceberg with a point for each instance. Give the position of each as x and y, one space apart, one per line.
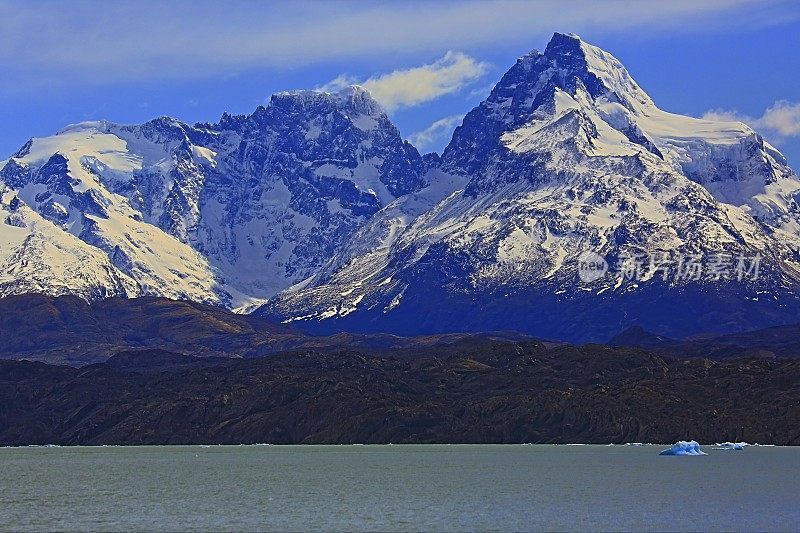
730 446
683 447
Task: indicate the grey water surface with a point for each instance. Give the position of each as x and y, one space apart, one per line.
397 488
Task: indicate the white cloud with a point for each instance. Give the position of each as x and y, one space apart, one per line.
725 115
337 84
110 42
404 88
482 92
414 86
437 133
779 121
783 118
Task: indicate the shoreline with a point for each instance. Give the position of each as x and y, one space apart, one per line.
359 445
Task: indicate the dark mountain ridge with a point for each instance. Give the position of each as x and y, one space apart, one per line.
69 330
157 371
498 392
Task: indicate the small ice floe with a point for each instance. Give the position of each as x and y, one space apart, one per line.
730 446
635 444
683 447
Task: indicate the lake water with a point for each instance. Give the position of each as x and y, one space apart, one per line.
391 488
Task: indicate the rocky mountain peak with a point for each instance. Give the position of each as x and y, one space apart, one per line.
568 155
318 191
353 99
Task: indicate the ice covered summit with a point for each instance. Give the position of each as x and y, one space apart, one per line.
228 213
315 204
567 155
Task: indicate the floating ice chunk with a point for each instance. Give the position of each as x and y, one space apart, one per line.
730 446
683 447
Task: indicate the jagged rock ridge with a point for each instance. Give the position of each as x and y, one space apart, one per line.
228 213
567 155
315 202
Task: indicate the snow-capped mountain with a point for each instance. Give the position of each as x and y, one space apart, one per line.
315 203
228 213
568 155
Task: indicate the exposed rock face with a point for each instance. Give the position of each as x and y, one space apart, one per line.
316 203
228 213
568 155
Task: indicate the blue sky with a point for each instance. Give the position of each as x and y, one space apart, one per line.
429 63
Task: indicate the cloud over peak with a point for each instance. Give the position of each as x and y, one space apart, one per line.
779 121
417 85
436 134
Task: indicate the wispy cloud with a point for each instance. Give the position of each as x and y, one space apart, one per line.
338 83
435 134
779 122
414 86
404 88
110 42
783 118
483 91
